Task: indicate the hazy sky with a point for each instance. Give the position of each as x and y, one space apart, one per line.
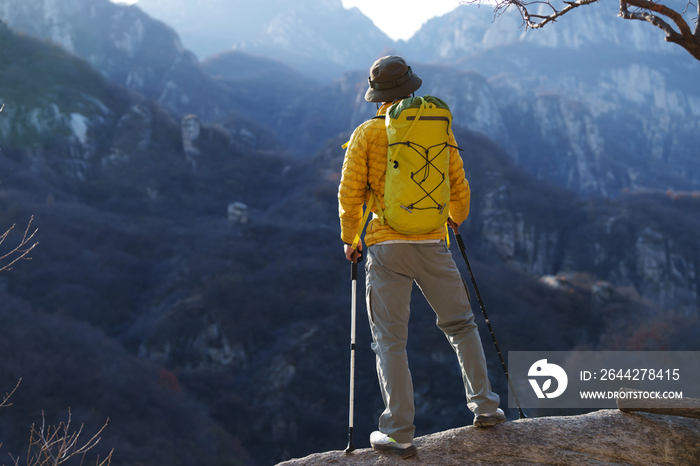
399 19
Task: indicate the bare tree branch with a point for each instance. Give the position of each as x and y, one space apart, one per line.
7 396
685 38
653 19
650 11
4 403
664 10
554 15
53 446
22 250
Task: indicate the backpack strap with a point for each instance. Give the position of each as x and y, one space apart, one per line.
363 222
423 106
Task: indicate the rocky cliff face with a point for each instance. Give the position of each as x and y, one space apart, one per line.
632 111
648 245
624 251
644 241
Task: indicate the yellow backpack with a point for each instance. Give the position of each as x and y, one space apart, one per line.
417 189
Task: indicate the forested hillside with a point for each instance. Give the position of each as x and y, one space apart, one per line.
216 333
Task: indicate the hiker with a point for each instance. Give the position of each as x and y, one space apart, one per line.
395 260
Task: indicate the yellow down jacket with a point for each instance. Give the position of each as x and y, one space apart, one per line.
364 168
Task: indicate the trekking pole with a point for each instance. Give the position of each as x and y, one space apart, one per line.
462 249
350 448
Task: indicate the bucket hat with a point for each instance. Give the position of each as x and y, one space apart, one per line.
389 78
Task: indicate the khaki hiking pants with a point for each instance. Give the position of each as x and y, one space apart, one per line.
391 270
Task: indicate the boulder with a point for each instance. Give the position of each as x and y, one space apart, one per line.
603 437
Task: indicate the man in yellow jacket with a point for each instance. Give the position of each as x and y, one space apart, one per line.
395 261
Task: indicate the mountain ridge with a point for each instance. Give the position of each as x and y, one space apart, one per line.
312 36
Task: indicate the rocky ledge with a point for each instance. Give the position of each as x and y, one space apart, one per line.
603 437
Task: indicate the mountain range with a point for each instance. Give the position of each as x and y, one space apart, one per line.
211 337
540 90
550 98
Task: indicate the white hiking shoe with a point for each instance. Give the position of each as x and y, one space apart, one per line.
383 442
490 419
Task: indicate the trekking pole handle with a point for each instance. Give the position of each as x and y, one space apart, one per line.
460 243
353 268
